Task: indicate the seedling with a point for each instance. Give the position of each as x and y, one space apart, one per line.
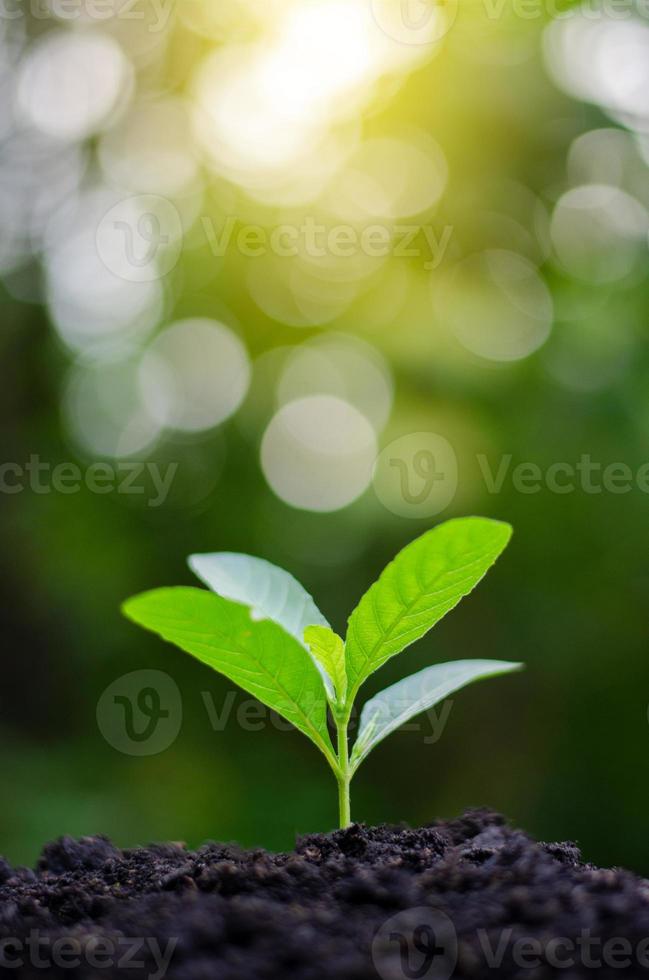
262 630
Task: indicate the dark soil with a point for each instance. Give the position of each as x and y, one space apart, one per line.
464 893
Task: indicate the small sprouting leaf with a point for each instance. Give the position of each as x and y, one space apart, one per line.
269 591
258 655
417 588
397 704
328 650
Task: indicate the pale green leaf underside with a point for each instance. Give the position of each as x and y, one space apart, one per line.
258 655
269 591
328 650
425 580
397 704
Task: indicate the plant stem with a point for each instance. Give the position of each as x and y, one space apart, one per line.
345 776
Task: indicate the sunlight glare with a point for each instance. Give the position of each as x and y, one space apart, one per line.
266 106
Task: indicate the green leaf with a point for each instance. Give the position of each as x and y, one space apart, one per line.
257 655
397 704
328 650
425 581
269 591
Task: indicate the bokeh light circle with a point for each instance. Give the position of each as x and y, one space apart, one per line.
317 453
103 410
92 309
70 82
340 365
599 57
599 232
194 375
496 304
151 149
391 178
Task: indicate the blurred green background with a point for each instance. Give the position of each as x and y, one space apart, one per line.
518 137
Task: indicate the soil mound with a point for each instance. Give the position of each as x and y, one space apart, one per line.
468 898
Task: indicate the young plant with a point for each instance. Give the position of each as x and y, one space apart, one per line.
262 630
